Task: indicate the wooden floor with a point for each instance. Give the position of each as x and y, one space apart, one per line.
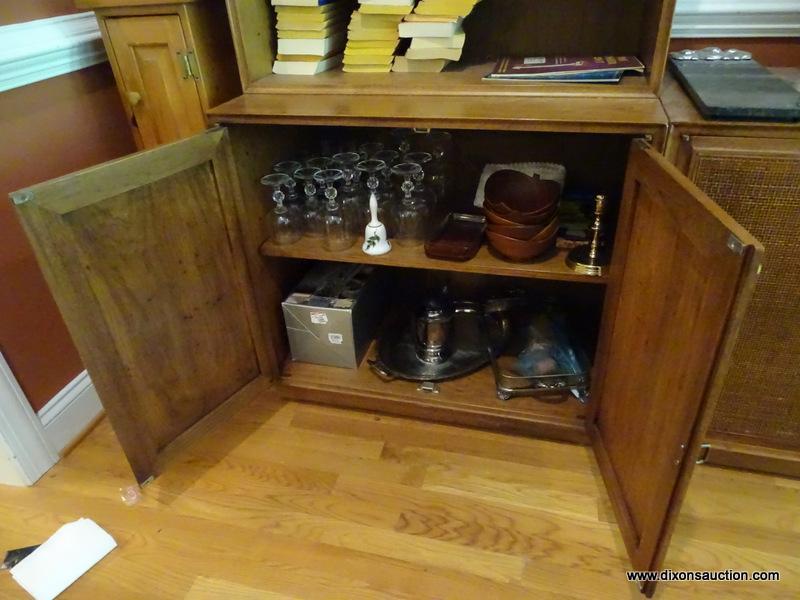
299 501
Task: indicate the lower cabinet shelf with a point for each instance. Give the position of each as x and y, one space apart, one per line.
551 266
469 401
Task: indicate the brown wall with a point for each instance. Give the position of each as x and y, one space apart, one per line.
20 11
48 129
771 52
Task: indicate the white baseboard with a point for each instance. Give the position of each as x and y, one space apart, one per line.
70 412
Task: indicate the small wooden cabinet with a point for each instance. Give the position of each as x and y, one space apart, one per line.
753 171
172 63
162 266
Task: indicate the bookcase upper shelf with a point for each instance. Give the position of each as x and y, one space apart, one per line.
496 28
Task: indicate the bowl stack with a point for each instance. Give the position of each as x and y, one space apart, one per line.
523 214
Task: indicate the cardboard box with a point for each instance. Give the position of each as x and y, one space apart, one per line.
333 314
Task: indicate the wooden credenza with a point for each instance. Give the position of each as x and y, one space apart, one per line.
752 170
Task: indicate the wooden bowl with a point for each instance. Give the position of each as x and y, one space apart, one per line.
537 219
549 229
518 232
520 250
509 192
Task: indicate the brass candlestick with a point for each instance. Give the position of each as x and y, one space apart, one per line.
594 258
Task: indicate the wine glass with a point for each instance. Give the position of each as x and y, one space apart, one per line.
368 150
319 162
411 214
338 235
285 226
421 190
293 200
351 194
312 211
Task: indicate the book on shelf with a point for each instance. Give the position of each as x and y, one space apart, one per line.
317 47
311 35
432 53
306 65
367 68
539 67
596 77
425 43
372 37
448 8
402 64
425 26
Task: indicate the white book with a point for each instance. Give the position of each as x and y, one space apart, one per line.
410 29
312 47
425 43
301 67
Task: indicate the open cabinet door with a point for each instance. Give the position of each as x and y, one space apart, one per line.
143 257
681 276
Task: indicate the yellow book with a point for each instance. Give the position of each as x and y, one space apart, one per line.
372 59
311 10
367 20
310 25
406 65
288 34
452 8
367 68
314 15
386 51
384 9
372 44
304 57
373 34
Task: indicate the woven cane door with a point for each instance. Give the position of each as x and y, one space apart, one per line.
758 183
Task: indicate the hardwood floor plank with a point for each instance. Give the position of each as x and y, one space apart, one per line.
285 500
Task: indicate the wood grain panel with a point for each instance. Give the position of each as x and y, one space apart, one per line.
671 305
151 289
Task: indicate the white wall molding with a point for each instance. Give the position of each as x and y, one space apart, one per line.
736 18
45 48
22 431
70 412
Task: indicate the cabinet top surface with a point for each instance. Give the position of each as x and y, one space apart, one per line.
532 113
681 111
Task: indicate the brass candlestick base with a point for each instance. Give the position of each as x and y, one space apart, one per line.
594 258
580 260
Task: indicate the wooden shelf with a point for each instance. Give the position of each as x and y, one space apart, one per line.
404 107
463 81
469 401
552 266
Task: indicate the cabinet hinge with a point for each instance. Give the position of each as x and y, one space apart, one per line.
189 64
703 457
735 245
19 198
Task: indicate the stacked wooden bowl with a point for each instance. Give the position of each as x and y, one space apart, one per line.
523 214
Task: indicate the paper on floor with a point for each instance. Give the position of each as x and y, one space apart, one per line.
68 554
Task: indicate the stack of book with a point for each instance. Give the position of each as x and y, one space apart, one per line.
565 69
311 35
437 37
372 36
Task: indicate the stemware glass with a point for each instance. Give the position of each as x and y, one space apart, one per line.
285 225
319 162
411 214
293 201
391 158
352 195
338 235
312 212
374 171
368 150
421 190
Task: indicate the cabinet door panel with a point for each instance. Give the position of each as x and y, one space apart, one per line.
167 107
142 259
757 182
681 273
